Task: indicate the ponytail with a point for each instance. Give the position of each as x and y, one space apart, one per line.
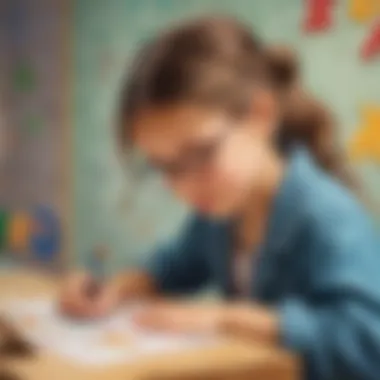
305 120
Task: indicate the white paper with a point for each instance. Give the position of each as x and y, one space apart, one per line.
109 341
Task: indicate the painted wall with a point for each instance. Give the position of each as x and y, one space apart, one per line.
129 215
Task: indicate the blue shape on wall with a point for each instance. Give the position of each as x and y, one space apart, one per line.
46 236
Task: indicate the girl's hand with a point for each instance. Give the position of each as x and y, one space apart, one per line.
247 321
75 300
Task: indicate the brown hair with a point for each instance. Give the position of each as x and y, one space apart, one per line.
217 61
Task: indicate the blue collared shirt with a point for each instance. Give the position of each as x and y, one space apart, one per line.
319 266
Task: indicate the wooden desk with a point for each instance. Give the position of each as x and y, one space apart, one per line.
229 361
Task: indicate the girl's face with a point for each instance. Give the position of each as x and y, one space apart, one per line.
211 161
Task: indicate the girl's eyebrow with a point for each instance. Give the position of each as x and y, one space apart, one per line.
186 148
194 145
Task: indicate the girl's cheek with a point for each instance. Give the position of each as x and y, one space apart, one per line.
236 182
227 186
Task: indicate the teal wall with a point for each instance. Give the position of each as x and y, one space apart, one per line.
107 33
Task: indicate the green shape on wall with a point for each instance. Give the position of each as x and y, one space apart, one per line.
24 79
3 229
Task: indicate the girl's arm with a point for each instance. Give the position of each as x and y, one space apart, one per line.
244 321
250 322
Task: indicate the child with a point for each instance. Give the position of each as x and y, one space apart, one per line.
225 120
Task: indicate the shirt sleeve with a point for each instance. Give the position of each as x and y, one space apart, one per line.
336 327
182 266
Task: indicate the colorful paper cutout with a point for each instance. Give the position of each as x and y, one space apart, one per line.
365 144
19 230
371 46
364 10
4 218
45 233
319 15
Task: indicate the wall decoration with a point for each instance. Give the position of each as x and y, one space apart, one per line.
19 229
364 10
365 144
371 45
319 15
45 237
4 218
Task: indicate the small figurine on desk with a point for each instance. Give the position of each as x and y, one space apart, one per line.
98 266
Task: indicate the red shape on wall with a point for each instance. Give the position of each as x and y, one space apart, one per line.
319 15
371 45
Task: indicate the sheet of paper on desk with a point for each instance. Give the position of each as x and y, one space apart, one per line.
109 341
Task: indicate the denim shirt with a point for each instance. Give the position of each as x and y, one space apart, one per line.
319 267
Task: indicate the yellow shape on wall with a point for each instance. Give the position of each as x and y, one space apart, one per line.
364 10
19 232
365 144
